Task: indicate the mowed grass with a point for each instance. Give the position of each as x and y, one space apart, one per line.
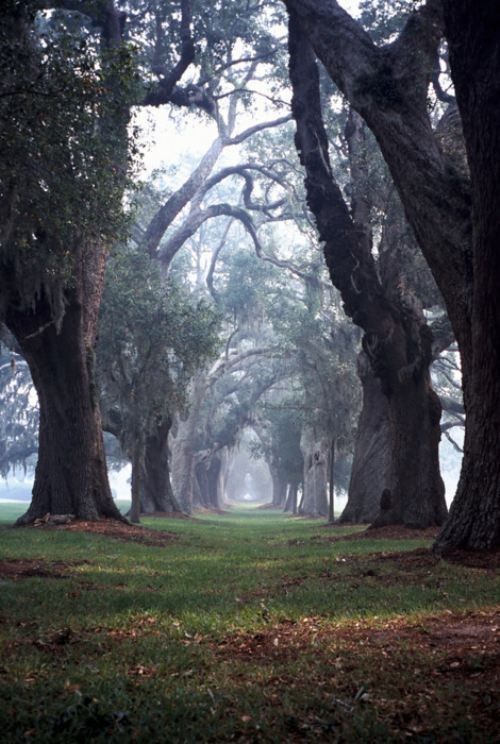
249 626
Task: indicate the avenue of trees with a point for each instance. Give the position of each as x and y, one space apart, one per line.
322 281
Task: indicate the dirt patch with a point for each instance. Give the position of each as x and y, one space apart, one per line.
409 567
489 561
423 558
391 532
447 630
120 531
25 568
386 569
416 677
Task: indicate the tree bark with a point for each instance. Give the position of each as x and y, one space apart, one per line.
388 87
71 475
156 492
294 487
184 459
209 478
396 339
291 499
370 467
331 484
315 450
415 496
279 488
474 44
214 482
137 466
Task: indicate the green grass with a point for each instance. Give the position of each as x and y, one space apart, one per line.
158 637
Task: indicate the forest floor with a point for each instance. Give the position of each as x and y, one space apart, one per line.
249 626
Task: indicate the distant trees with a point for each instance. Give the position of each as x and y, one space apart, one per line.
152 338
19 420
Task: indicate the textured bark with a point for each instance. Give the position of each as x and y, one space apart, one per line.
279 488
183 468
184 455
71 475
474 43
291 499
331 484
388 87
415 485
294 487
370 467
459 239
156 494
396 339
137 465
209 474
315 451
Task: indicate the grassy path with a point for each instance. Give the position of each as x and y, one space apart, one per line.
250 626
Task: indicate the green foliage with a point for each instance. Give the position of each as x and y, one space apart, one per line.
153 336
19 420
247 283
384 19
279 442
63 144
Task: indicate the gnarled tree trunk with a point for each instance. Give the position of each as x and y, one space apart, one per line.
315 451
415 493
71 475
279 487
474 43
370 467
184 457
291 499
156 492
396 338
209 475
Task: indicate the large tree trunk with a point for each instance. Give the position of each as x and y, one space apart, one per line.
415 493
71 475
472 33
389 86
315 451
184 456
279 488
201 474
370 467
396 338
137 466
331 484
155 487
291 499
214 475
183 468
209 478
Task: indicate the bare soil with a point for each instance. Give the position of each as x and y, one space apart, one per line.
25 568
119 530
391 532
414 675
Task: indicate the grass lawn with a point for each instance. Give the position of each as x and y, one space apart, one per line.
250 626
